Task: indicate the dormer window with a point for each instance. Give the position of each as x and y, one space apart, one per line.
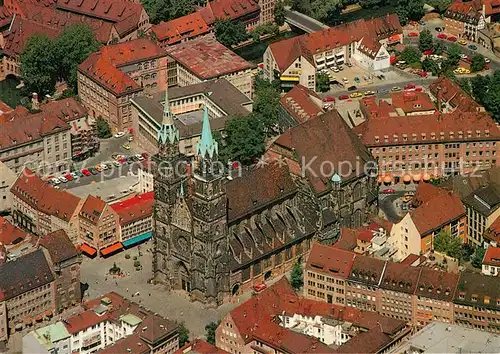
395 137
487 133
423 136
433 136
377 139
474 298
478 133
441 134
469 133
405 137
452 135
386 138
461 296
414 137
487 300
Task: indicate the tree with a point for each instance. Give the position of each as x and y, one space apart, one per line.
479 87
297 279
166 10
266 105
103 129
38 65
411 55
439 47
492 99
429 65
279 13
244 140
371 4
183 334
477 260
230 33
439 5
322 82
425 42
322 10
444 242
73 46
477 63
453 55
409 10
210 331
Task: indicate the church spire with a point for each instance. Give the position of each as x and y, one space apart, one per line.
207 144
168 133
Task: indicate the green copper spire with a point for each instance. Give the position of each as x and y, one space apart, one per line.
207 144
168 132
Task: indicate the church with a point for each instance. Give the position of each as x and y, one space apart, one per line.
218 232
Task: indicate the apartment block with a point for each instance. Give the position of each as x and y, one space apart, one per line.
464 19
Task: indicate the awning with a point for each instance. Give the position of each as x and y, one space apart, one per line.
110 249
427 177
137 239
289 78
387 179
416 178
407 179
48 313
88 250
395 38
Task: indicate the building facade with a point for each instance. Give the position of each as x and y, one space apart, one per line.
464 20
7 178
491 261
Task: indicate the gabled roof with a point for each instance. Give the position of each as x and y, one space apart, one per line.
5 17
130 52
434 208
463 12
492 256
412 101
479 290
493 232
199 346
401 278
135 208
92 208
59 246
311 142
67 109
287 51
367 270
43 197
228 9
445 90
10 234
435 284
24 274
180 28
302 104
330 260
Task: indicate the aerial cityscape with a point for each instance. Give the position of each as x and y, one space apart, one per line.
249 176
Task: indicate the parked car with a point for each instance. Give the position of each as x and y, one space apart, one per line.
126 146
409 86
94 170
418 89
69 177
104 166
115 156
356 95
452 38
63 179
389 191
74 175
119 134
145 155
383 91
472 46
349 65
396 88
462 42
98 168
438 29
54 181
329 99
130 138
116 163
139 156
343 97
352 88
413 34
463 56
86 172
487 60
369 93
79 174
122 160
442 36
259 287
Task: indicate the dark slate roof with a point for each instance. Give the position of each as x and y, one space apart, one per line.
59 246
401 278
485 200
476 289
24 274
367 270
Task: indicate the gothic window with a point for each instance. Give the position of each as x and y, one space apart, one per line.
288 253
357 191
357 218
341 198
277 259
308 244
298 249
257 269
245 274
267 262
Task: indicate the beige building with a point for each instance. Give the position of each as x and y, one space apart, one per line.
110 78
204 59
40 208
7 178
326 272
98 227
28 293
222 100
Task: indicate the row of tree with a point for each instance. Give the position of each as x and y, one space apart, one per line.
485 90
45 61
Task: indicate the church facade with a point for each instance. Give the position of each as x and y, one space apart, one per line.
217 234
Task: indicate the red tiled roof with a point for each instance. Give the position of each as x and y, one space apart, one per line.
233 9
330 260
67 109
302 104
373 30
130 52
493 232
491 7
372 110
445 90
434 207
400 277
412 101
92 208
347 240
410 259
199 346
4 109
181 28
451 124
365 235
369 46
135 208
435 284
10 234
367 270
131 344
257 189
311 142
492 256
207 58
5 17
43 197
59 246
20 31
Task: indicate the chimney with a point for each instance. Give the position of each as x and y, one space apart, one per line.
35 105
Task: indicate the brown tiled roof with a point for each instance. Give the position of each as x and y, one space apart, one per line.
135 208
59 246
24 274
206 58
20 31
435 284
367 270
493 232
92 208
479 290
420 129
434 208
311 142
10 234
257 189
369 46
67 109
491 7
372 109
372 341
330 260
287 51
445 90
492 256
302 104
233 9
401 278
131 344
180 29
412 101
43 197
5 17
463 12
130 52
155 327
348 239
199 346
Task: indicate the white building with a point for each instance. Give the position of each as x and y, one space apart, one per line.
491 261
7 178
52 339
372 55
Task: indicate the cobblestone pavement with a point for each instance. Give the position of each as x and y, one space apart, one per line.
172 305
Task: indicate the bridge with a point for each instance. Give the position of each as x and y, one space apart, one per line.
305 23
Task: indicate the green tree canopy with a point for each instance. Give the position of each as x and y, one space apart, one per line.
38 65
230 33
439 5
183 334
411 55
210 331
266 105
425 42
477 63
103 129
444 242
322 82
453 55
429 65
166 10
297 276
321 10
477 260
409 10
279 13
